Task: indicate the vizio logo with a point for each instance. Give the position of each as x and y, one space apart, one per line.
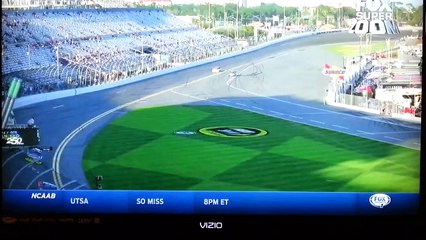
211 225
379 200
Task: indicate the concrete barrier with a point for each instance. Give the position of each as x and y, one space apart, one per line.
32 99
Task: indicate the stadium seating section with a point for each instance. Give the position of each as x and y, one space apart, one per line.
54 49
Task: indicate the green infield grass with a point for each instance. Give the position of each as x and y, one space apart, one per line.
161 148
352 50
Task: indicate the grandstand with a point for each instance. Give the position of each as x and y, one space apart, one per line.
60 48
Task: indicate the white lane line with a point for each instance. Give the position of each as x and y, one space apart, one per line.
69 183
224 100
364 132
66 140
338 126
276 112
216 102
258 108
310 107
396 132
317 122
38 176
306 123
241 104
17 173
55 107
82 185
392 138
208 100
11 157
313 113
380 120
295 116
59 150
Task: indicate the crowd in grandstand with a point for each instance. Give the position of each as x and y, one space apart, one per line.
53 49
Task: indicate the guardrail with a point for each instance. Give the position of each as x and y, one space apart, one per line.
37 98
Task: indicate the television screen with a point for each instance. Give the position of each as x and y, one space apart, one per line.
212 116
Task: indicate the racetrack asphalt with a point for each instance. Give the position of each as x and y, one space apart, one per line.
283 81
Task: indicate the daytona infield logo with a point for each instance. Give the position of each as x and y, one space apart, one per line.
233 132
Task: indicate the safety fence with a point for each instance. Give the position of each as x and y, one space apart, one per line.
388 108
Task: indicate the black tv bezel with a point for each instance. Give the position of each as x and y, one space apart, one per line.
410 226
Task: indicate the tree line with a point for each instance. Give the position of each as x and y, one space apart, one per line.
208 13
